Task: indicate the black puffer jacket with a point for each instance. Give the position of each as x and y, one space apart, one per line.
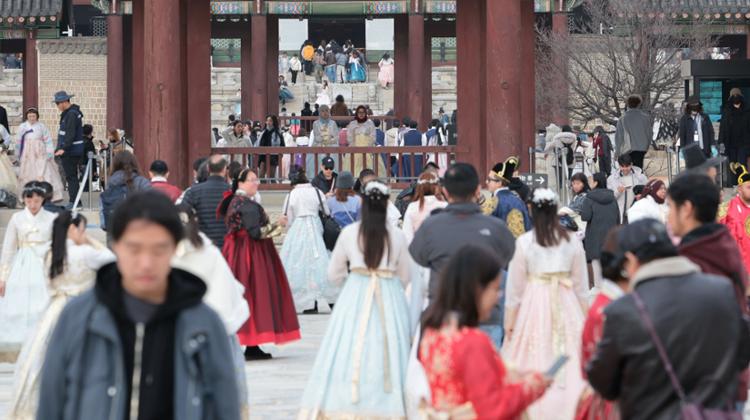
600 211
734 129
686 308
205 198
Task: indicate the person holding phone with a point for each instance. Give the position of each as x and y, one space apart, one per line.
466 375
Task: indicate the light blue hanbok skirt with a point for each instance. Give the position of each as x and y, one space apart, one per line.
360 368
305 260
357 73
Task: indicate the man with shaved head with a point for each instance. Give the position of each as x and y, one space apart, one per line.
205 197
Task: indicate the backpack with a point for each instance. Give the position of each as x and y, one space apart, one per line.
569 155
109 199
308 52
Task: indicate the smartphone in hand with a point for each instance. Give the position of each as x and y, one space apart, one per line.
559 363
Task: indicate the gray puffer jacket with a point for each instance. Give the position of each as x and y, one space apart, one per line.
139 183
84 375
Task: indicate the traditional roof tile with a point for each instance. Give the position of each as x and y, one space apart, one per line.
30 8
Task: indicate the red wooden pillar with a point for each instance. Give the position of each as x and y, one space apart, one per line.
258 69
560 106
137 111
415 71
246 73
401 64
198 88
164 84
528 81
115 72
272 65
470 86
424 119
30 72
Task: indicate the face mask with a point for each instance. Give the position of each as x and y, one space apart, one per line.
693 113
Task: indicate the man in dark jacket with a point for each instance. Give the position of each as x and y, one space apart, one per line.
696 127
205 197
462 223
685 307
693 201
69 141
4 118
325 181
142 339
734 131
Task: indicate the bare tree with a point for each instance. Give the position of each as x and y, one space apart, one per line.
619 48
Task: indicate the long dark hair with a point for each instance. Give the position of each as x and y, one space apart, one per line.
373 231
126 162
189 219
467 273
547 228
59 248
221 212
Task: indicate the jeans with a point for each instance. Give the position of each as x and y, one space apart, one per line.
70 166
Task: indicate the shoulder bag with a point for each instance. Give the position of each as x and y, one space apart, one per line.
331 228
688 410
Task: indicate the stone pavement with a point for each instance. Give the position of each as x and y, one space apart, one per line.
274 386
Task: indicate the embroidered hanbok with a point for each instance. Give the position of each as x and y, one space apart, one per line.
362 134
737 220
546 294
513 211
254 261
35 150
467 378
360 367
26 241
304 253
591 405
79 275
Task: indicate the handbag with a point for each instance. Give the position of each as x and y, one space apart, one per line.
688 409
331 228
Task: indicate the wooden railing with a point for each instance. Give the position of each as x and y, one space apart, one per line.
399 166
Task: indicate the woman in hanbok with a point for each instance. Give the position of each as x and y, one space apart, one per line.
73 261
356 68
361 133
224 294
304 253
591 405
426 199
251 254
546 299
466 376
385 76
23 281
35 149
360 367
324 96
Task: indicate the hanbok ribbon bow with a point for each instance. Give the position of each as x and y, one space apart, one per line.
558 327
374 292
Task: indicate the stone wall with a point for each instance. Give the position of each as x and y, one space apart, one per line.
78 66
11 96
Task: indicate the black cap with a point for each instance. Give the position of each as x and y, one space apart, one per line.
328 162
647 239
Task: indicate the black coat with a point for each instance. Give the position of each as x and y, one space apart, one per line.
704 334
4 118
600 211
734 128
686 132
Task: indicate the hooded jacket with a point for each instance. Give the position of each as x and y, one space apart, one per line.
599 209
181 352
325 185
686 307
138 183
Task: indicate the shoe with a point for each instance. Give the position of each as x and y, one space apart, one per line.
313 311
255 353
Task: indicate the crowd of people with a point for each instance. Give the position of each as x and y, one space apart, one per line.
629 300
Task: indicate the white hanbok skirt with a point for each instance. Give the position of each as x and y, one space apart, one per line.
26 297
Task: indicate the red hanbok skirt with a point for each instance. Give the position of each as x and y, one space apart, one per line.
257 265
591 406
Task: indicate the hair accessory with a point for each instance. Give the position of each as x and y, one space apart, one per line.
34 189
184 218
740 171
544 197
376 189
